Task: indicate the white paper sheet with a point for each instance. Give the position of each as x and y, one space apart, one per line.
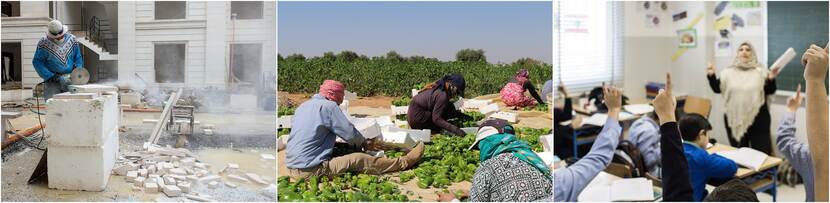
746 157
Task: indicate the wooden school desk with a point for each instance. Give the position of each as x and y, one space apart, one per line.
769 170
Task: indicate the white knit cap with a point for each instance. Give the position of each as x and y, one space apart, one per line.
56 29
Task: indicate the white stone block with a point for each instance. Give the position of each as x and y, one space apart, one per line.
172 191
488 109
131 176
230 185
143 172
81 168
255 178
213 184
82 122
508 116
209 178
184 186
398 139
168 180
151 187
139 181
93 88
178 171
238 178
130 98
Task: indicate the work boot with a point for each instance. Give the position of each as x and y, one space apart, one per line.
413 156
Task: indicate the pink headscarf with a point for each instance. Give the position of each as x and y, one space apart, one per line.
333 90
522 76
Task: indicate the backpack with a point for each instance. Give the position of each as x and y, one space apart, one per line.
628 154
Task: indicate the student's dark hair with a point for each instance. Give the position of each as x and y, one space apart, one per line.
733 191
691 124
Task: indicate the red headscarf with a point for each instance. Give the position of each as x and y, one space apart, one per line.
333 90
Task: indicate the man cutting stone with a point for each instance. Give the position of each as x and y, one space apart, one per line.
57 55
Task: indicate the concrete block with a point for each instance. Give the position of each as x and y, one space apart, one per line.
213 184
131 98
172 191
398 139
136 189
187 162
81 168
230 185
94 88
488 109
209 178
139 181
124 168
178 178
131 176
153 176
160 182
238 178
192 178
151 187
82 122
255 178
200 165
178 171
143 172
184 186
168 180
508 116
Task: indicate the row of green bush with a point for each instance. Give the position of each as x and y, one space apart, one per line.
397 76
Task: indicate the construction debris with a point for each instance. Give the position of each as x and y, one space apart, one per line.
176 171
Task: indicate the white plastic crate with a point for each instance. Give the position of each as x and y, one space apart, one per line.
284 122
399 139
368 127
488 109
508 116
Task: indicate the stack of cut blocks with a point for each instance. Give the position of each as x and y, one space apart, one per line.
83 138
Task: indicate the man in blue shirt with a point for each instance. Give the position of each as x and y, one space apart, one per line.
56 56
702 165
315 126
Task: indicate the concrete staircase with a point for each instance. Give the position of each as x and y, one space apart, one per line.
102 54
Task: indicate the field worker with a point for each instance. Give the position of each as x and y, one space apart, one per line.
513 93
315 126
57 54
572 180
745 86
433 106
797 153
509 171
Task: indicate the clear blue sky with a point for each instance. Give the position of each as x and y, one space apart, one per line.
505 30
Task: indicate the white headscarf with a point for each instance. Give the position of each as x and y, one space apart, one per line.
742 86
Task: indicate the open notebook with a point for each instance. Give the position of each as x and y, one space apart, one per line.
609 190
744 156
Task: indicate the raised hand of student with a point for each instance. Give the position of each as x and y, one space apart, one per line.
665 103
815 62
795 101
613 100
563 89
710 69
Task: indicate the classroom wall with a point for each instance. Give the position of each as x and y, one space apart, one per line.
649 50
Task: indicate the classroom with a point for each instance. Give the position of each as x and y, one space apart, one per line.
690 101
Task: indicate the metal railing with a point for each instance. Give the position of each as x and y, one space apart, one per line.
94 33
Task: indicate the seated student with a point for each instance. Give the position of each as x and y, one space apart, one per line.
562 146
702 165
645 134
733 191
572 180
796 152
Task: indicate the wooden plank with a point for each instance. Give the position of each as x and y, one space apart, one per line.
154 136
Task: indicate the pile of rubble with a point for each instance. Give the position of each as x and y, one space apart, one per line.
176 171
